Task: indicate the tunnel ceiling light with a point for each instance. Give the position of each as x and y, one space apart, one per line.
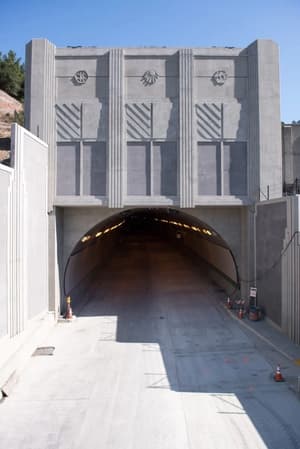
206 231
86 238
186 226
98 234
112 228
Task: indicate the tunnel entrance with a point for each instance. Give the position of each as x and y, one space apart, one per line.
148 238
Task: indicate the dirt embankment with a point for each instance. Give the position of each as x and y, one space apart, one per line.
9 106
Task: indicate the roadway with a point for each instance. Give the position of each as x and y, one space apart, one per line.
153 361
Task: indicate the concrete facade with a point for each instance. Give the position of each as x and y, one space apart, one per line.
24 243
195 129
180 127
291 153
277 262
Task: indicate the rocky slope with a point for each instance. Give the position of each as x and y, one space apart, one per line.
8 107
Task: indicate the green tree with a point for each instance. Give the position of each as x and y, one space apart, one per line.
12 75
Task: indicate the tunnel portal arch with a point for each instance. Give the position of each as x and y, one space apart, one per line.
98 242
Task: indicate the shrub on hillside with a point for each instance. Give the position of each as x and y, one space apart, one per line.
12 75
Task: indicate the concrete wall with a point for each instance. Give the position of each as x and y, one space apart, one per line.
271 223
140 127
6 179
291 271
24 241
278 262
291 152
155 125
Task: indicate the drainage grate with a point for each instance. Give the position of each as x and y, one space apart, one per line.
43 350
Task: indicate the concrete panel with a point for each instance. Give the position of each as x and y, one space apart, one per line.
209 169
291 152
68 121
6 176
35 225
94 121
235 120
232 88
163 88
116 129
94 66
68 169
270 215
209 121
165 120
235 168
164 168
138 121
68 90
136 66
296 157
290 271
94 168
265 152
234 67
138 169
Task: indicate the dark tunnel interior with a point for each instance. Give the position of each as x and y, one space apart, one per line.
153 227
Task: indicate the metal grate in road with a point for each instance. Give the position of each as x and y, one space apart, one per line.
43 350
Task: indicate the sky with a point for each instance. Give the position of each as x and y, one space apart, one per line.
171 23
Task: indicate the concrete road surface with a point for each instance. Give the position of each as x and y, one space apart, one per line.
153 361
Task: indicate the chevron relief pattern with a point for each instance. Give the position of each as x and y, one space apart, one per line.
209 120
68 121
138 121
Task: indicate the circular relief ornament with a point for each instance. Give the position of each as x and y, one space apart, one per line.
81 77
219 77
149 77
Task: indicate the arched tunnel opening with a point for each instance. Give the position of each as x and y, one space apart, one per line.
135 248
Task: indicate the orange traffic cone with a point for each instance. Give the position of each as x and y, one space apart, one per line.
241 314
69 314
229 303
278 376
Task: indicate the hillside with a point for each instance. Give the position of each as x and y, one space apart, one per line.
8 107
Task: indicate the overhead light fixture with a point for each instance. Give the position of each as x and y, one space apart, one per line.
86 238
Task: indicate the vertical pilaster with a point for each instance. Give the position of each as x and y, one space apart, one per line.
40 93
290 264
17 293
288 159
40 100
265 150
186 141
254 125
116 129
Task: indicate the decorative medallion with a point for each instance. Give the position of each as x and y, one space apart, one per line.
149 77
219 77
81 77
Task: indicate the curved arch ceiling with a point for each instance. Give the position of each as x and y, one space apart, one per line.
171 217
214 250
